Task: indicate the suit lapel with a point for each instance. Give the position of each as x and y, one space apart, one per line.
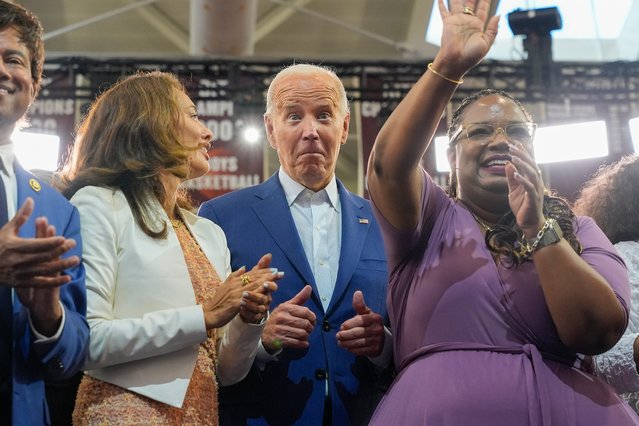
355 226
28 186
273 211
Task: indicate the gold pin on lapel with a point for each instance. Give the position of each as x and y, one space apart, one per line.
35 185
363 220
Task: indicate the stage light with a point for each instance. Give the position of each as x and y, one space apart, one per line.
634 132
553 144
251 134
36 150
539 21
569 142
441 157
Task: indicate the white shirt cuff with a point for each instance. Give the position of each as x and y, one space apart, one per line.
42 339
384 357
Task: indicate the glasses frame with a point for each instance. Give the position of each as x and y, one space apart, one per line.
464 129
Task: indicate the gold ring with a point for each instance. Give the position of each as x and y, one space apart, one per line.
468 10
245 279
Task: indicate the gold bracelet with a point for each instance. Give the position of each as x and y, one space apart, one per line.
430 67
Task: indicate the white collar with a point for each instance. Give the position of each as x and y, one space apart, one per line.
6 159
292 189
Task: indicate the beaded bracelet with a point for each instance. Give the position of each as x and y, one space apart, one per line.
431 69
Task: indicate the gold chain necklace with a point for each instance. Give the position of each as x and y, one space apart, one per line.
481 222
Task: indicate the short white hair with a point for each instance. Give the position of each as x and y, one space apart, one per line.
307 70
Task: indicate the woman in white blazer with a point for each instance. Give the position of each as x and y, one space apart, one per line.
169 320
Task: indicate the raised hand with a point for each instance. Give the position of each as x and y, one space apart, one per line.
468 33
290 324
364 333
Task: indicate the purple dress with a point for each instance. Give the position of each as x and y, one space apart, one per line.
474 342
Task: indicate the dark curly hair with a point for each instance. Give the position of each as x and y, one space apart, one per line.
504 238
30 31
611 198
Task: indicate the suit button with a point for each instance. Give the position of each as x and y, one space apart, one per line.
56 364
326 326
320 374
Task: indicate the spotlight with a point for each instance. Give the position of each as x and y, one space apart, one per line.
539 21
251 134
536 25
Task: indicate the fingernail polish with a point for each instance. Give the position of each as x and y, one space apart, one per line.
273 270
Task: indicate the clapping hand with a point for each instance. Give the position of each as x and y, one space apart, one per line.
34 266
254 305
33 262
525 190
241 286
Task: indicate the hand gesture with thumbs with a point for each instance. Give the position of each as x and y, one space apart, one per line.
290 324
363 334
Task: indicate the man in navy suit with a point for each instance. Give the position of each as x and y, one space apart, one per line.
325 340
43 331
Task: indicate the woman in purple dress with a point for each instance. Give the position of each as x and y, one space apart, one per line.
497 292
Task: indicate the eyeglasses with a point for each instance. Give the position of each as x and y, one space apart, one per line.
486 132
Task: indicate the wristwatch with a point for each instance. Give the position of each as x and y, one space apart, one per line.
550 236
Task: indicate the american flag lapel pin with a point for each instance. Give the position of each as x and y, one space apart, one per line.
363 220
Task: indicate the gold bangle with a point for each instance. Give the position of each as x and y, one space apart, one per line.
431 69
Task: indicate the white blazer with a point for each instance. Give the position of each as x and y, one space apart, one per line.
145 324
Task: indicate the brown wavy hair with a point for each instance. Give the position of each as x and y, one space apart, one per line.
129 136
504 238
611 198
30 31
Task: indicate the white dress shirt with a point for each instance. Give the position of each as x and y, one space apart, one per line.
9 178
318 220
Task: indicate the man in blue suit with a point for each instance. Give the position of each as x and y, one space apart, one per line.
43 331
324 342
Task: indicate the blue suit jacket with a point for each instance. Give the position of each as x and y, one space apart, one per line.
32 364
256 221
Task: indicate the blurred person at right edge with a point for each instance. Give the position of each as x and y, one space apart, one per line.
497 291
611 198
